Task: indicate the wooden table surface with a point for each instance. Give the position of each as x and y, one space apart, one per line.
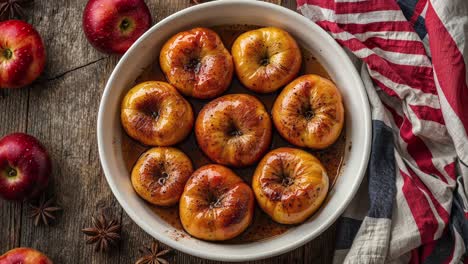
60 109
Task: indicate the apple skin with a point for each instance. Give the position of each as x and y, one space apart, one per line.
24 256
22 54
25 167
112 26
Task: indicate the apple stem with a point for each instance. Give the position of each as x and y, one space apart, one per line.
309 114
265 61
7 53
125 24
11 172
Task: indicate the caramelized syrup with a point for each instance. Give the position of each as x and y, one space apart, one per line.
262 227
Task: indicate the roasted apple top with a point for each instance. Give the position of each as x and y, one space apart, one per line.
290 185
155 114
216 204
197 63
309 112
160 174
234 130
266 59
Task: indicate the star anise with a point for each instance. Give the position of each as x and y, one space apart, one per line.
43 211
153 255
103 233
10 9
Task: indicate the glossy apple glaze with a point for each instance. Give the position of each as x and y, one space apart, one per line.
262 227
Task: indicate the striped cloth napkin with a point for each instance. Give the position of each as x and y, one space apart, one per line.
413 206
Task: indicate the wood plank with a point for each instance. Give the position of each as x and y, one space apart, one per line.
291 4
320 250
13 118
278 2
62 114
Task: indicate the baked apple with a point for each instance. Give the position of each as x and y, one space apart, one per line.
216 204
155 114
309 112
197 63
160 174
266 59
290 185
234 130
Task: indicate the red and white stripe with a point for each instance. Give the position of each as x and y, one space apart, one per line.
449 51
426 103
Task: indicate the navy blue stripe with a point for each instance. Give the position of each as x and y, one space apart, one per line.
420 27
458 219
407 6
346 232
442 250
445 244
381 171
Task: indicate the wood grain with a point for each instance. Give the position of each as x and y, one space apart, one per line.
60 109
13 118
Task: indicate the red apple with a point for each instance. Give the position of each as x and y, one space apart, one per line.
24 167
24 256
22 54
112 26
